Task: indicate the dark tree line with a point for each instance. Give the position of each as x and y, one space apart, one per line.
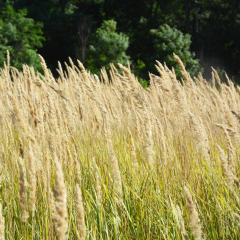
206 31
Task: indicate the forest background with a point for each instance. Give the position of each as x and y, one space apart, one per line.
203 33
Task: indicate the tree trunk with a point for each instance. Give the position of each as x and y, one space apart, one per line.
187 15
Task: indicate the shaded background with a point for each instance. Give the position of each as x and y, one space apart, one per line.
75 28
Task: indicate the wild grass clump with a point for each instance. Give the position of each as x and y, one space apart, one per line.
89 158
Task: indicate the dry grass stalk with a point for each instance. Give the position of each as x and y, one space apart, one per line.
18 113
229 116
231 151
180 98
60 195
98 187
148 138
77 167
182 67
2 224
213 81
50 197
8 60
236 114
201 137
84 73
162 140
237 217
23 191
80 211
60 71
98 190
116 175
217 77
229 145
133 150
183 230
32 179
225 167
21 149
138 127
44 66
193 215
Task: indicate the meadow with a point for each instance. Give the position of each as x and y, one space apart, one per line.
89 158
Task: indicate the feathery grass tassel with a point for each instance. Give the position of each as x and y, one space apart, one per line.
23 192
80 211
183 230
116 174
193 214
226 169
133 150
60 194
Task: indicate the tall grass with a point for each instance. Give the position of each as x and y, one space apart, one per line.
89 158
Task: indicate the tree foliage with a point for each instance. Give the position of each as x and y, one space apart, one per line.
21 36
107 46
169 40
214 27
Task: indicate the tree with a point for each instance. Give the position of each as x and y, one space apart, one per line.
107 46
21 36
61 20
169 40
214 27
217 38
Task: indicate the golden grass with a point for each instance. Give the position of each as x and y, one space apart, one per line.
88 159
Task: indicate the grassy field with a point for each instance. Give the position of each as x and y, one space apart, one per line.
89 158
